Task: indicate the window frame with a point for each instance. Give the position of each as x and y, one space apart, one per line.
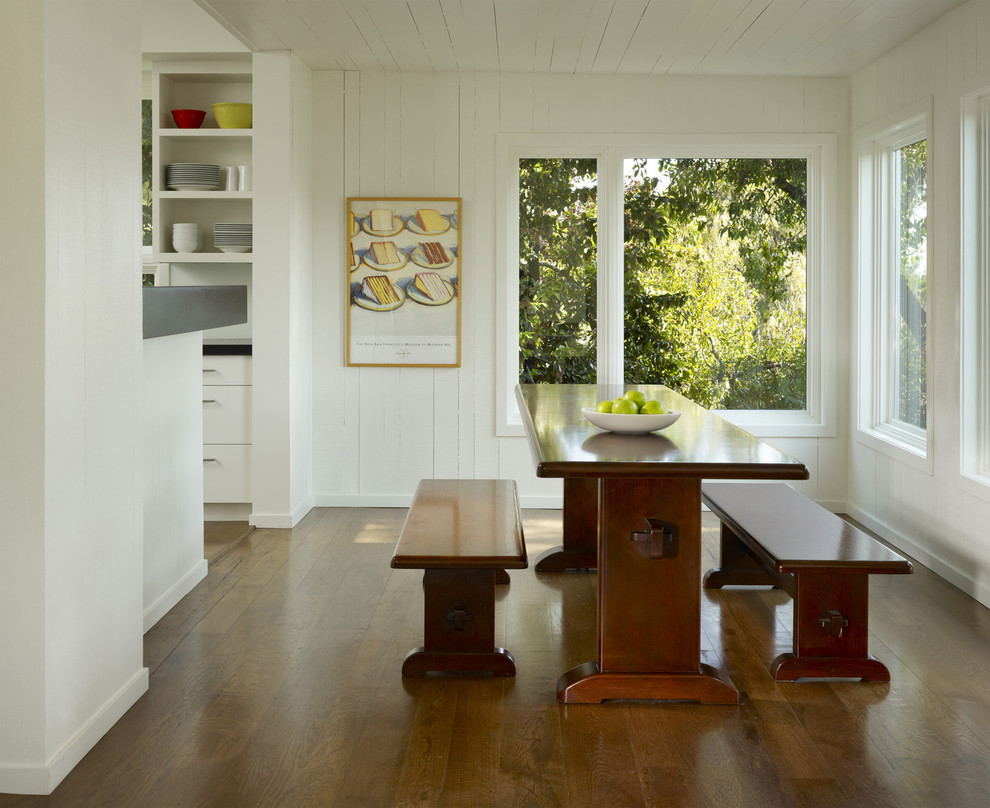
877 274
974 433
818 419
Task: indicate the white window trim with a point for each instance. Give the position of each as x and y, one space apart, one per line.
875 252
974 434
818 419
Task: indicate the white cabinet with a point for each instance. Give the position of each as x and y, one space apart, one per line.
226 414
198 85
227 429
227 370
226 473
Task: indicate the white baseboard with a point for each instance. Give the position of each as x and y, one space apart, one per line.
20 779
157 610
960 580
301 510
282 520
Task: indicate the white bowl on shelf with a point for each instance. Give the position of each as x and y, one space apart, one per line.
186 237
185 244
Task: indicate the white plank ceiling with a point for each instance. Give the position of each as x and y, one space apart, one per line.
713 37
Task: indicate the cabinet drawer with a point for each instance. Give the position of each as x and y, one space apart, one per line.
226 473
226 369
226 414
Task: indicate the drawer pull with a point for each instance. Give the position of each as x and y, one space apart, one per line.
210 370
209 401
210 460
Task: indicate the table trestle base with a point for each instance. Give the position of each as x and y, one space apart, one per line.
561 559
586 684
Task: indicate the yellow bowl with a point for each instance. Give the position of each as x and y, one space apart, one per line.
232 116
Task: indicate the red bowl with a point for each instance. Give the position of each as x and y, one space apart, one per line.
188 118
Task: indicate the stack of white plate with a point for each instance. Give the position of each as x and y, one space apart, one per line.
192 177
232 237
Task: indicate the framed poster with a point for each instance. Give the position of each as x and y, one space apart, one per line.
404 282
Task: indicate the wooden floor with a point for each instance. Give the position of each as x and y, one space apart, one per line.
276 683
219 538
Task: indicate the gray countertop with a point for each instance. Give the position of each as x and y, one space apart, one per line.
181 309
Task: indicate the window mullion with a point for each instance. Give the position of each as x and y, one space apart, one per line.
611 304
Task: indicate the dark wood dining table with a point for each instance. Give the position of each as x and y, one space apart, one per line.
632 510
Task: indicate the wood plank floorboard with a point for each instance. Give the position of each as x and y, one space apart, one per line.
276 682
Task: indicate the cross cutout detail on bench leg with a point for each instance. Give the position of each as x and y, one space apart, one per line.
458 617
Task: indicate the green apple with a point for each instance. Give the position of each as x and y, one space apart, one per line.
604 406
652 407
624 406
636 396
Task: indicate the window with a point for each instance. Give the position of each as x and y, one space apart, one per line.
714 279
909 326
695 266
558 260
894 287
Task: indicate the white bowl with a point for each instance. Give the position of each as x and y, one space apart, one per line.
631 424
182 244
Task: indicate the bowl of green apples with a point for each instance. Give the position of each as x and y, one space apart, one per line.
631 413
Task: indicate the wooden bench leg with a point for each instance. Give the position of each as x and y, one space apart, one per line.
459 626
501 578
831 622
737 565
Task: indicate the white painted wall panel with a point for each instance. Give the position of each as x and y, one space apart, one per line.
282 290
22 394
173 467
301 294
940 517
333 444
478 404
76 573
93 342
378 430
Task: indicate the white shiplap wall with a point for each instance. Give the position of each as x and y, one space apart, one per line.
173 471
281 281
378 431
941 517
71 538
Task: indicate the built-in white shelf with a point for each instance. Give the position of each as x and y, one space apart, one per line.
204 258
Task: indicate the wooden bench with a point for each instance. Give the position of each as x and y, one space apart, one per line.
464 534
771 534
